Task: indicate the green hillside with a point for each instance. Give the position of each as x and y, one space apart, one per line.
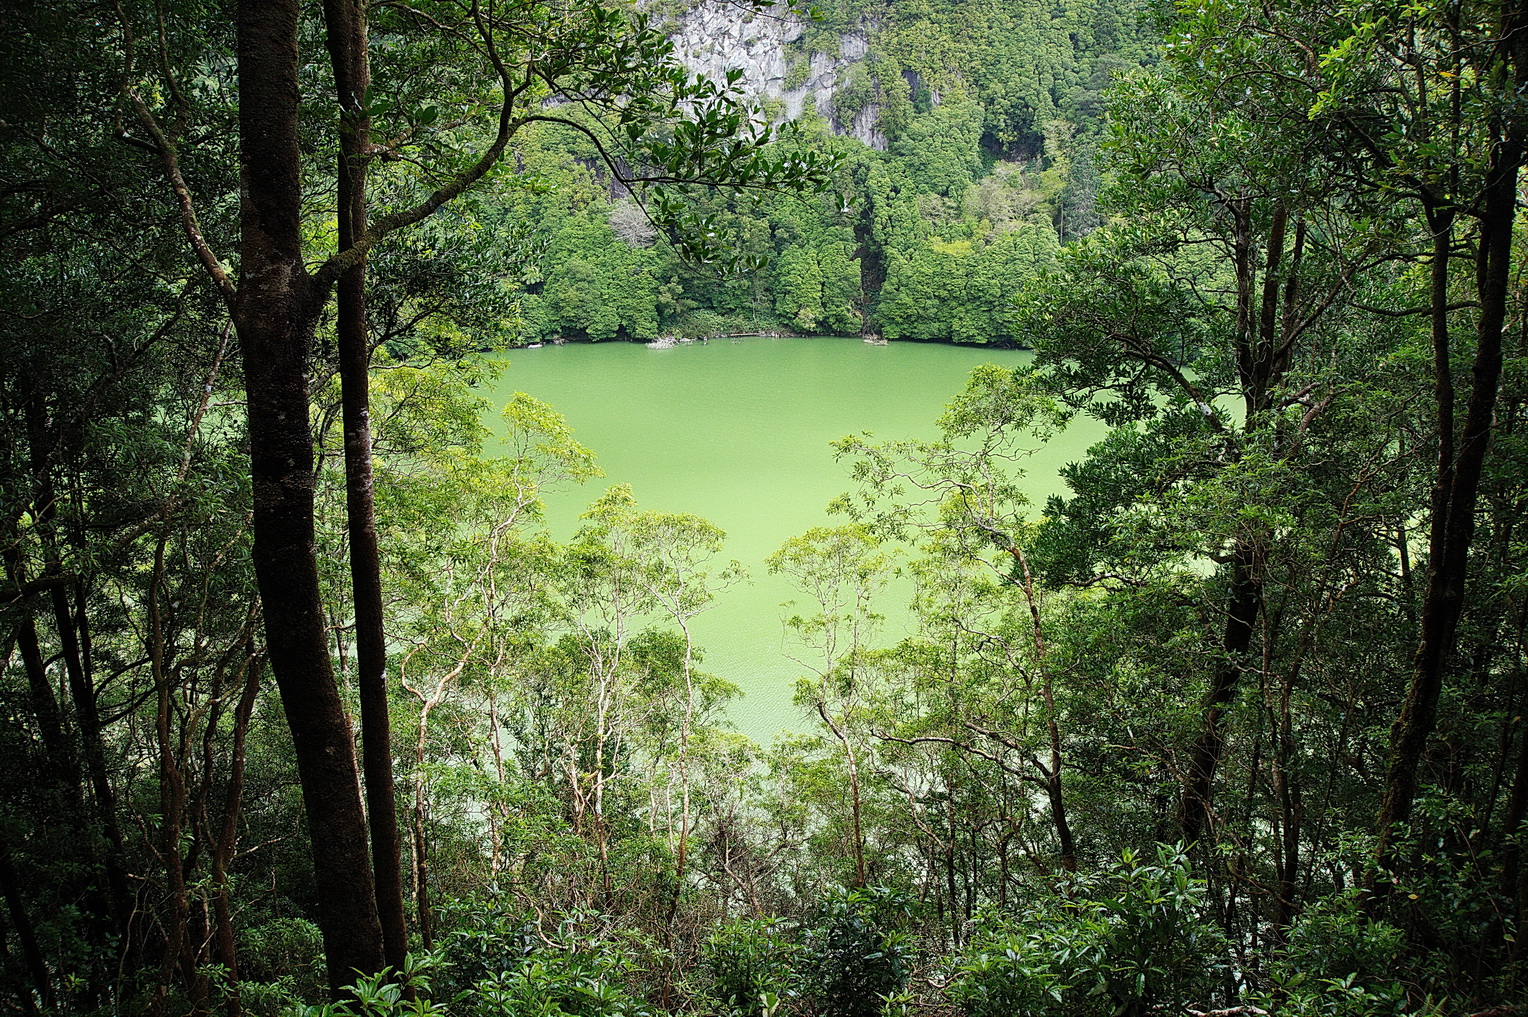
992 116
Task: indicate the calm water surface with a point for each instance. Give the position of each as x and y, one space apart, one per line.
739 432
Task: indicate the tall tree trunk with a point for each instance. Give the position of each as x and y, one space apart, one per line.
61 774
347 40
82 691
1259 342
422 873
1513 870
43 443
275 311
951 872
44 706
179 948
59 753
418 827
1051 773
681 848
860 875
1457 484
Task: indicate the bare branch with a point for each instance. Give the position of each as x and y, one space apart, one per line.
188 220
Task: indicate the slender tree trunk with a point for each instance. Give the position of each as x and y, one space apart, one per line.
1515 831
681 849
1052 773
1414 725
952 876
1291 812
31 952
418 829
87 716
172 803
1258 371
61 774
602 733
419 815
1457 485
860 875
1514 874
422 876
44 706
275 311
1265 351
228 835
81 690
1246 599
347 39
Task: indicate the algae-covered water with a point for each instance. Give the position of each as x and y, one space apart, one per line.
738 431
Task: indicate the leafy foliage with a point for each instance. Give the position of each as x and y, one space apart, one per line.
1225 261
856 955
750 962
1132 939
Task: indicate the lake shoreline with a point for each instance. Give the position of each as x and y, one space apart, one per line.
676 340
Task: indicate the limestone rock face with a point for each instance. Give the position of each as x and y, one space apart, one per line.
715 36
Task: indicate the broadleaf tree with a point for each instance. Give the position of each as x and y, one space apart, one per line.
599 69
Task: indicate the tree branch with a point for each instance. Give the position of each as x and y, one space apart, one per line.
188 220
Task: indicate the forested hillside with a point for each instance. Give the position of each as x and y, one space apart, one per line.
304 706
986 120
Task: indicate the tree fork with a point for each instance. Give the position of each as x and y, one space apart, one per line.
275 311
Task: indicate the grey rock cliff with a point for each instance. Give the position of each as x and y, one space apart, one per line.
715 36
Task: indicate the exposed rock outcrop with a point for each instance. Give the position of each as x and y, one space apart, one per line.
714 36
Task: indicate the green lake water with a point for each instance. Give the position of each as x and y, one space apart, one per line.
738 431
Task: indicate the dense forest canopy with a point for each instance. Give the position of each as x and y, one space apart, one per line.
302 702
990 117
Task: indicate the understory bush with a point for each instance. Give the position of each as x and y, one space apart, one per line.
751 962
1338 962
857 955
281 962
1134 939
485 941
586 982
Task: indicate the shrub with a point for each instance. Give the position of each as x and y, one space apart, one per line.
572 984
855 957
1339 963
281 963
749 960
1130 941
1006 971
556 983
484 941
